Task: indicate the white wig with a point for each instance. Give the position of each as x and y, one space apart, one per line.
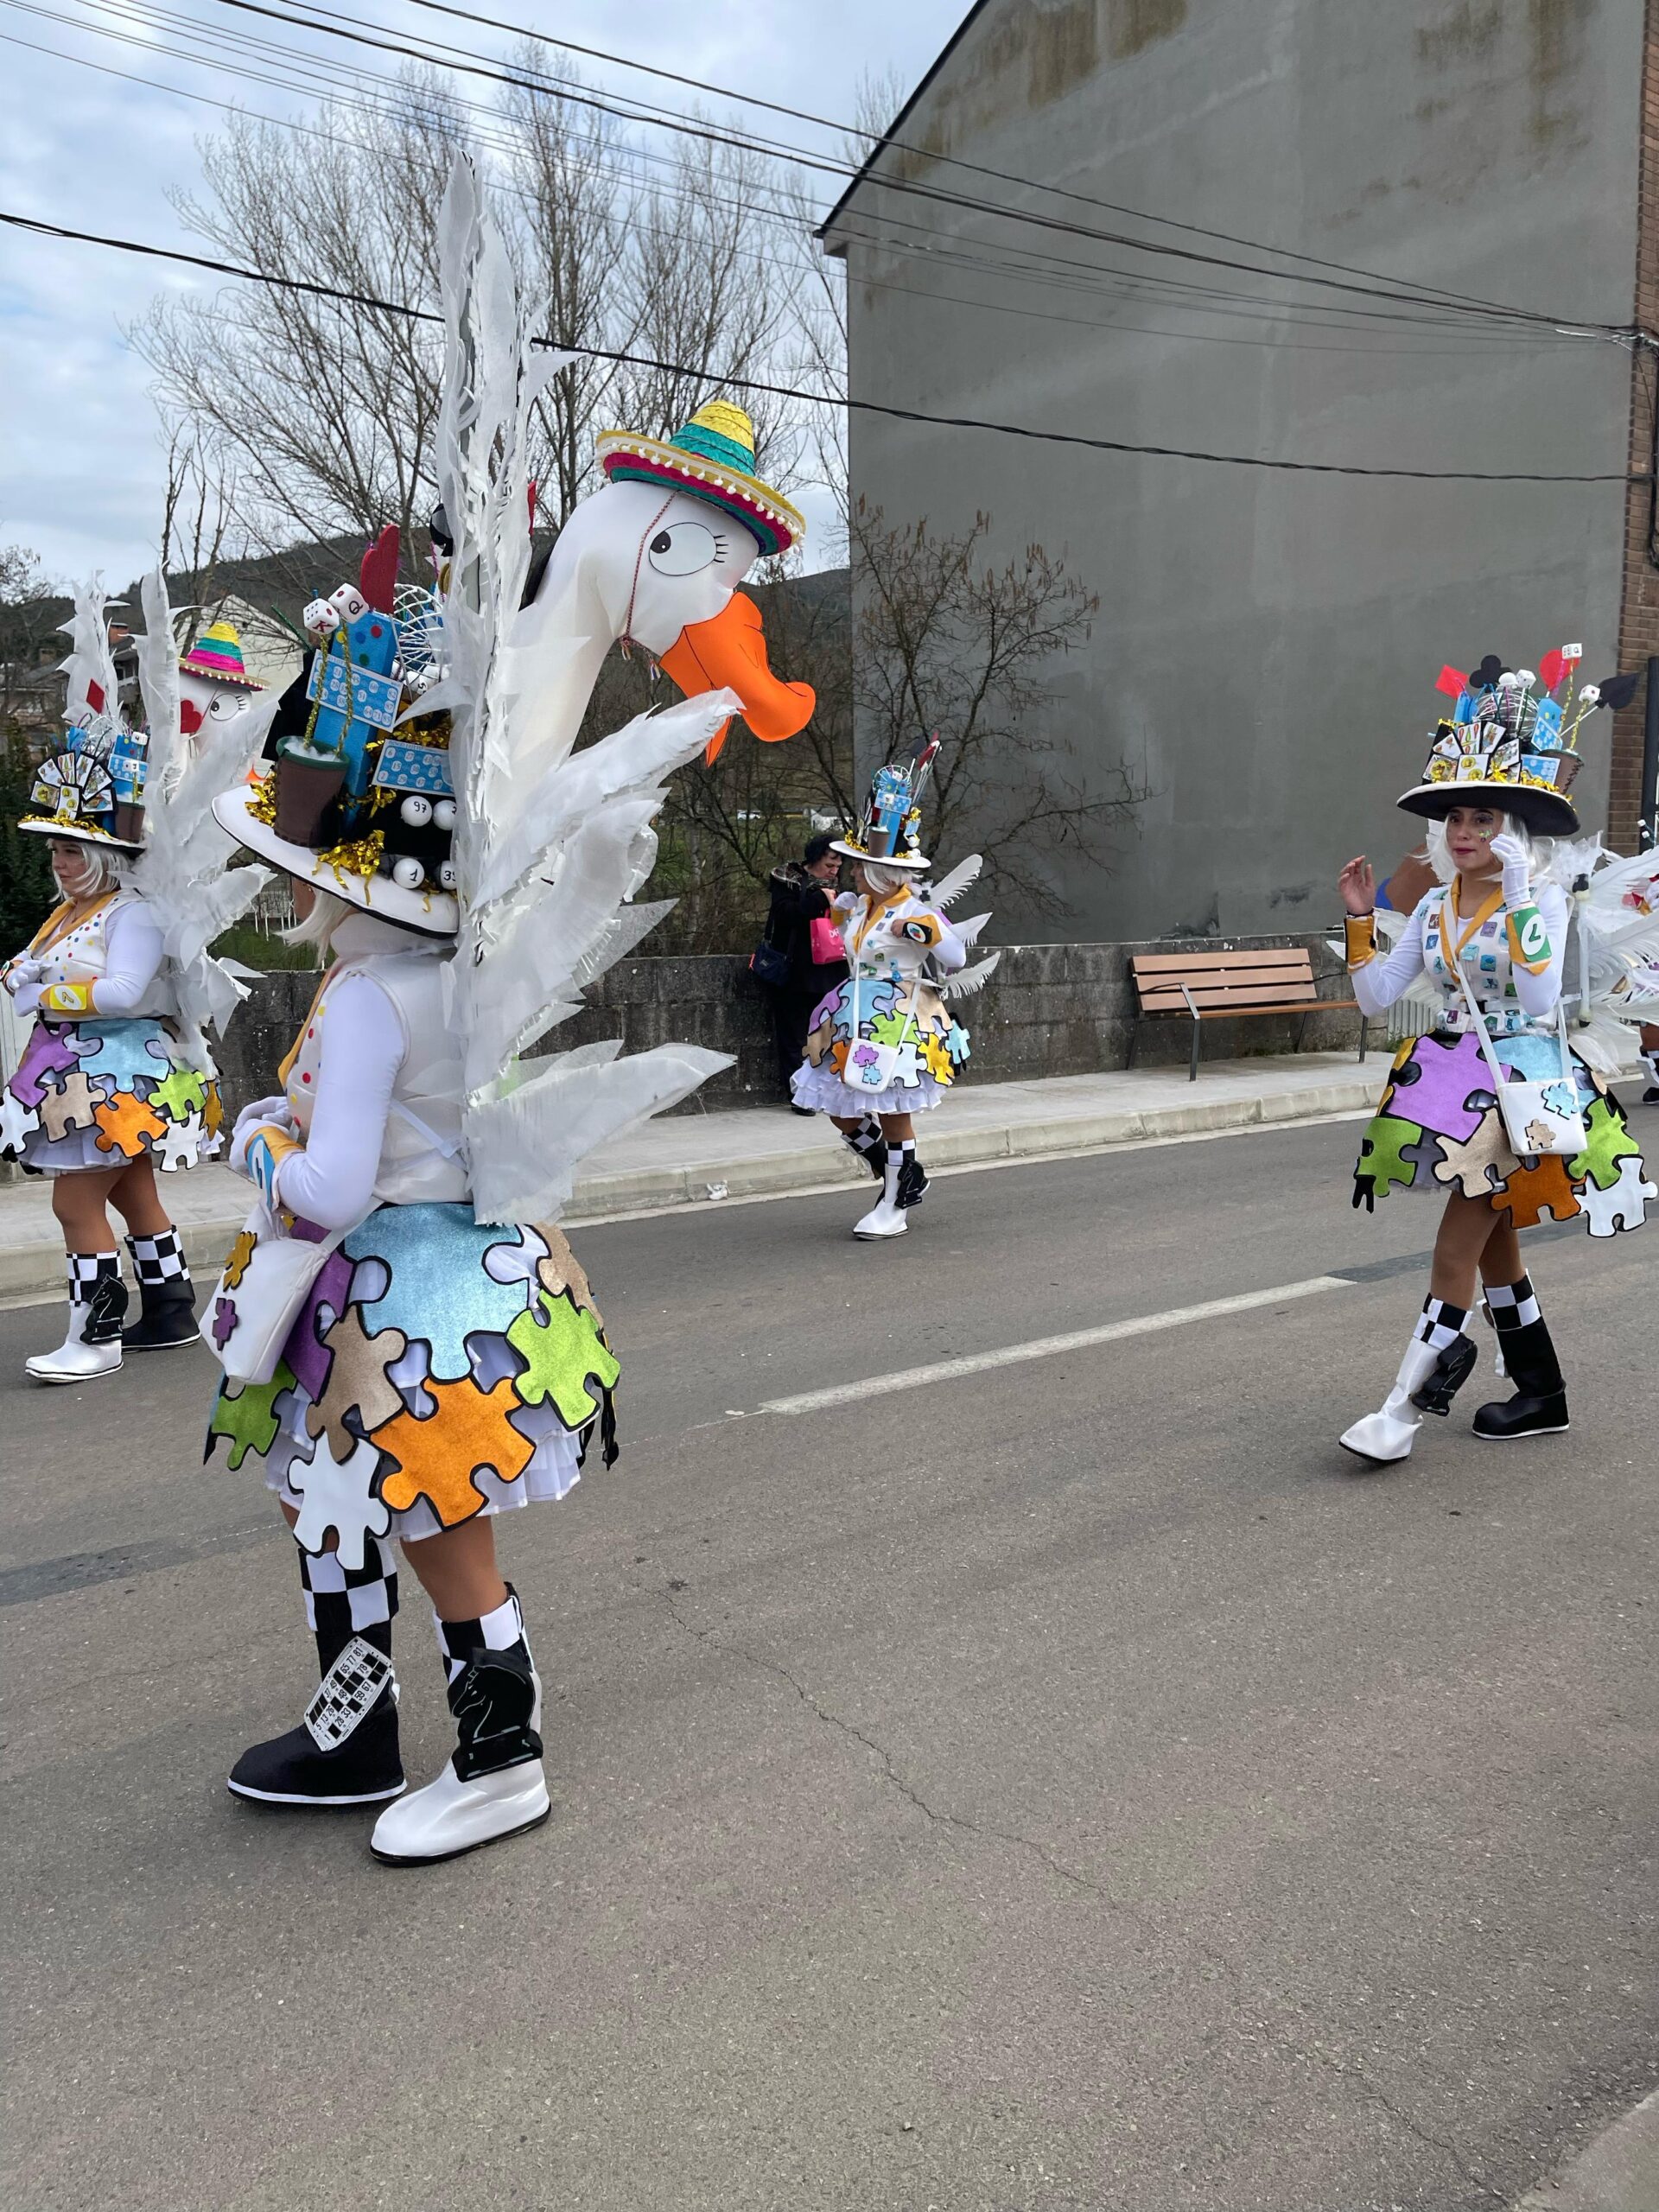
883 879
98 872
326 914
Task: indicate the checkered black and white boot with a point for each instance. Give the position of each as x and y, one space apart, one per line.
887 1218
1539 1406
867 1142
98 1300
344 1751
494 1786
166 1294
1436 1366
1650 1061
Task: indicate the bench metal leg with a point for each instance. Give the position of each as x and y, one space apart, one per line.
1301 1031
1363 1025
1193 1065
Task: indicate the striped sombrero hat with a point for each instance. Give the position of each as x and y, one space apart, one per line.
713 459
217 654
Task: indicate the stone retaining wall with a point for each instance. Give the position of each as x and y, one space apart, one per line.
1050 1010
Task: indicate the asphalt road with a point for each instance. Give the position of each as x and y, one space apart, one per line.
1077 1784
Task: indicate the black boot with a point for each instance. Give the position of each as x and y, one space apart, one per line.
867 1142
166 1293
913 1183
1539 1406
344 1752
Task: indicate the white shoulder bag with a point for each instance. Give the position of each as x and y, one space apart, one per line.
250 1317
1538 1117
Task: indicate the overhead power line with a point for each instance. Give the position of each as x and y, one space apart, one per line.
492 70
835 399
190 40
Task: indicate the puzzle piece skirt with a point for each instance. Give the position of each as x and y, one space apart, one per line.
1437 1128
438 1370
100 1093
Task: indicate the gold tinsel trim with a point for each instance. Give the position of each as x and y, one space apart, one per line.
261 801
360 856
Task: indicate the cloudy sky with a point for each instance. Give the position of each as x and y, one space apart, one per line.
81 471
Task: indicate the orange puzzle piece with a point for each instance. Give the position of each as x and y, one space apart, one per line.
126 1124
1534 1191
437 1457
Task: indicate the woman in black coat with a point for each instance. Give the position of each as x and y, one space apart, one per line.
801 891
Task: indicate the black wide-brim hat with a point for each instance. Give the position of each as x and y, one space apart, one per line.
1545 813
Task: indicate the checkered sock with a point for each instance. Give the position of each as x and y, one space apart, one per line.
98 1297
159 1259
865 1138
501 1631
1439 1323
1512 1306
341 1602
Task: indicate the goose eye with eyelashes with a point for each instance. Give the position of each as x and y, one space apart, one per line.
683 549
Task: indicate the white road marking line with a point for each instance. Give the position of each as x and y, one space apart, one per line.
1142 1324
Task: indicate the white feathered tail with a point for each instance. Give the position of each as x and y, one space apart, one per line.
180 874
550 848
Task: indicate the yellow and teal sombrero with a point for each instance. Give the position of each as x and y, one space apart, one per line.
713 459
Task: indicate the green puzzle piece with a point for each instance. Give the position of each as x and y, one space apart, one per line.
561 1344
248 1416
181 1093
1380 1154
1610 1143
888 1028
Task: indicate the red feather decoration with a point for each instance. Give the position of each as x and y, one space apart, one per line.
1552 668
1452 681
377 577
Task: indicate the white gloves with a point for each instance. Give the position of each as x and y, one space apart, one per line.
1518 870
26 997
22 972
249 1121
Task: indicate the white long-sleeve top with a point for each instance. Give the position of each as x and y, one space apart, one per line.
873 930
1514 993
373 1085
116 950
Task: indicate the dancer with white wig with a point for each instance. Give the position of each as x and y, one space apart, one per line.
1495 1109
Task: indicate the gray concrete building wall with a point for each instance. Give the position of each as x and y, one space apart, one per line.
1268 642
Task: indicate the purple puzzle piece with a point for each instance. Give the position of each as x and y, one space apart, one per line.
45 1053
1432 1084
305 1352
224 1320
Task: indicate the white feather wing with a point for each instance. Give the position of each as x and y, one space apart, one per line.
550 845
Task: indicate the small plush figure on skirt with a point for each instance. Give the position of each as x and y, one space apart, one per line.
116 1078
410 1349
883 1045
1493 1110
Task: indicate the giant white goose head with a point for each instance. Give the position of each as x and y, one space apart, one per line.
654 559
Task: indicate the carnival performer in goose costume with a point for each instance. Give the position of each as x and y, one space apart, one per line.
883 1046
1520 1125
410 1347
116 1078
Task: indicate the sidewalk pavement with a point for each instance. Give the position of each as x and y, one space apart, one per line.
1617 2172
763 1152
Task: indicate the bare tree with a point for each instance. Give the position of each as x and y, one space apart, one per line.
943 641
324 409
196 522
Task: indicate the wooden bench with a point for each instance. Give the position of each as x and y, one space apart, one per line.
1200 987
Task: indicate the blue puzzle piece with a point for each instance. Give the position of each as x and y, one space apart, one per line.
439 1291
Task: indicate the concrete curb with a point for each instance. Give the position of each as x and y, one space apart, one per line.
33 1265
1617 2172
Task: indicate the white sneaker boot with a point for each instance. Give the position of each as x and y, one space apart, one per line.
1391 1432
494 1786
98 1300
887 1218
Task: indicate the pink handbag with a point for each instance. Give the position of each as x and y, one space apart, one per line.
826 942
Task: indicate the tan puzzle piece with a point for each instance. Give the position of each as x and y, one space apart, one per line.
357 1379
71 1106
1473 1165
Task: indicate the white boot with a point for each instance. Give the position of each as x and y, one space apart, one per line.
1390 1432
887 1218
494 1786
98 1299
